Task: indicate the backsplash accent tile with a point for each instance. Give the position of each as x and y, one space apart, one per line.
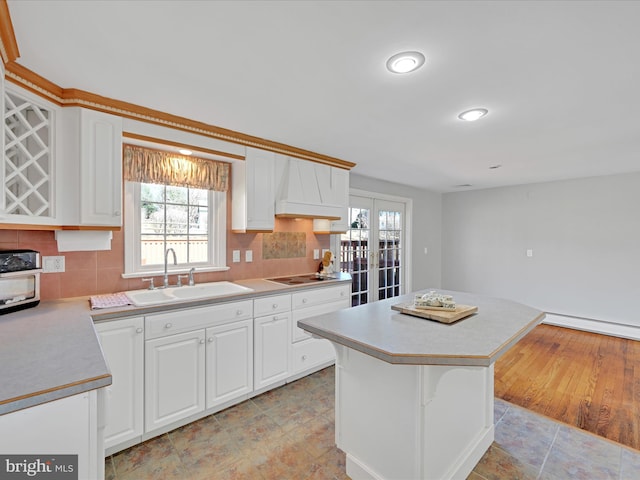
284 245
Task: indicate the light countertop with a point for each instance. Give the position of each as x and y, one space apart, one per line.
52 351
47 353
379 331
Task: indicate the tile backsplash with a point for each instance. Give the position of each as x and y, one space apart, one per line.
289 250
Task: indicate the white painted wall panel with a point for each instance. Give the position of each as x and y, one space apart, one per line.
585 237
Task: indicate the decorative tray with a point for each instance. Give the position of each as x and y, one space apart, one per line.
438 314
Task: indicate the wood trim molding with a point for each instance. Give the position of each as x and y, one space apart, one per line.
195 148
8 44
71 97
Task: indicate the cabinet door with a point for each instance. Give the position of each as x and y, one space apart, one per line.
27 191
229 362
174 378
123 346
253 192
311 354
100 169
271 349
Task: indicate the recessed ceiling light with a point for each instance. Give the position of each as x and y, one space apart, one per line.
473 115
184 151
405 62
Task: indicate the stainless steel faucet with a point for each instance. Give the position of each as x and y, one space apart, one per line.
175 262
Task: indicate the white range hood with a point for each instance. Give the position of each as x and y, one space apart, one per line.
310 190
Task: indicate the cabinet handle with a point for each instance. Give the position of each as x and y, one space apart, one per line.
210 339
139 330
168 325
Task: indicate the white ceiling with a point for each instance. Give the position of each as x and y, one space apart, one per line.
561 79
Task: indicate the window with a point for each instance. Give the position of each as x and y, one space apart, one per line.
190 219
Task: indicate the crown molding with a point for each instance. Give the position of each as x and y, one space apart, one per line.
195 148
8 44
71 97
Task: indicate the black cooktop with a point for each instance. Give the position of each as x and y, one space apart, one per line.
298 279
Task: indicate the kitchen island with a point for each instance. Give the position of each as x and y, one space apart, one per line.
414 397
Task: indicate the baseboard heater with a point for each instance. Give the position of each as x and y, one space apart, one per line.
596 326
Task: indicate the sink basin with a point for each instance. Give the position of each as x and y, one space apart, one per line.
142 298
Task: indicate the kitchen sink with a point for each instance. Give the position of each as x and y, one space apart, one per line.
142 298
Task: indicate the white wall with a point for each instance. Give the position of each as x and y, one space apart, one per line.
585 237
426 228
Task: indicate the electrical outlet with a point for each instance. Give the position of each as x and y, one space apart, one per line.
53 264
529 252
236 256
248 256
316 254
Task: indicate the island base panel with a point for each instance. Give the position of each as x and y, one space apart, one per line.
411 421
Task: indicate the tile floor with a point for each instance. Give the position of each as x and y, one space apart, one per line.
288 434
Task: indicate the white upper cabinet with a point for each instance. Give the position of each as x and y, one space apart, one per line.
252 192
28 173
100 169
337 194
91 175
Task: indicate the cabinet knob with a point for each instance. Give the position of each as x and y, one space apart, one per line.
168 325
210 339
239 312
202 341
274 306
117 212
304 358
342 294
304 300
139 330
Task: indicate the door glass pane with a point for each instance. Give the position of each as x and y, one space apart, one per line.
354 253
389 252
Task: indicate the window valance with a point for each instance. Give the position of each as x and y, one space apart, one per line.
155 166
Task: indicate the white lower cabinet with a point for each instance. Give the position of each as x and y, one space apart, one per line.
122 343
309 354
174 378
173 367
271 340
271 349
68 426
229 371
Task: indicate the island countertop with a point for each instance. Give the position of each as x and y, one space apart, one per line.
379 331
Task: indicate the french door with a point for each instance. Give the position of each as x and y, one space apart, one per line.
373 249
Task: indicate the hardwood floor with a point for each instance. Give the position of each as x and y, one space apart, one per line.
583 379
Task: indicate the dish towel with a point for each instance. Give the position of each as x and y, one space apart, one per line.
109 300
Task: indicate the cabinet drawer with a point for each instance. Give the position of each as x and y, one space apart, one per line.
319 296
311 353
194 318
297 333
268 305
